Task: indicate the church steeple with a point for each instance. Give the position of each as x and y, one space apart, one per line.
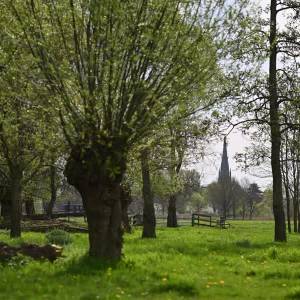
224 172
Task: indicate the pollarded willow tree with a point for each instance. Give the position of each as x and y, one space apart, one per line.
118 67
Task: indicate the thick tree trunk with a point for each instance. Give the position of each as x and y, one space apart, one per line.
29 208
278 210
97 173
104 221
172 218
53 189
16 204
149 221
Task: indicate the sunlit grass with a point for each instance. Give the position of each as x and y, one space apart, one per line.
242 262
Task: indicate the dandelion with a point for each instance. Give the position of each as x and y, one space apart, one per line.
222 282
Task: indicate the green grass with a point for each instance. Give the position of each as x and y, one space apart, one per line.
184 263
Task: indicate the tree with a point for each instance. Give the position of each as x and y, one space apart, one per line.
280 232
264 208
23 138
149 221
264 95
254 197
198 201
119 68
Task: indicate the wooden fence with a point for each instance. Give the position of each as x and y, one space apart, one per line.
208 220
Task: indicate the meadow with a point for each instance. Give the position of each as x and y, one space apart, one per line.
182 263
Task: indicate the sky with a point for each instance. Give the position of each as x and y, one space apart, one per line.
209 167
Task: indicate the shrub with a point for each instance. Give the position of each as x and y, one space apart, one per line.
59 237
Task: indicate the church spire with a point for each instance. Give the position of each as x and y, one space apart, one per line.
224 173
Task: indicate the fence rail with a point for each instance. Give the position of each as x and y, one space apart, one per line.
66 211
208 220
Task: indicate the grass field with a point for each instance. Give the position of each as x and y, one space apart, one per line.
184 263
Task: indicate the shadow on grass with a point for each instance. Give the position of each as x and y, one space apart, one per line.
182 288
87 265
238 246
294 295
202 248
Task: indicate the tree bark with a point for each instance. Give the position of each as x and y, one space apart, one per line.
278 210
53 189
172 218
16 203
149 221
97 173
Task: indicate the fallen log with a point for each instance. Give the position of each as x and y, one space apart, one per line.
50 252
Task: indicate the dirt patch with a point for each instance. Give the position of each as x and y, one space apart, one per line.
50 252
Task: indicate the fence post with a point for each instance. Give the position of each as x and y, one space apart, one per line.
193 220
209 221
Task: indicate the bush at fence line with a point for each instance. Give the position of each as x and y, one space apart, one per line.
59 237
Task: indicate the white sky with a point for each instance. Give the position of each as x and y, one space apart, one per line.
209 167
236 143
